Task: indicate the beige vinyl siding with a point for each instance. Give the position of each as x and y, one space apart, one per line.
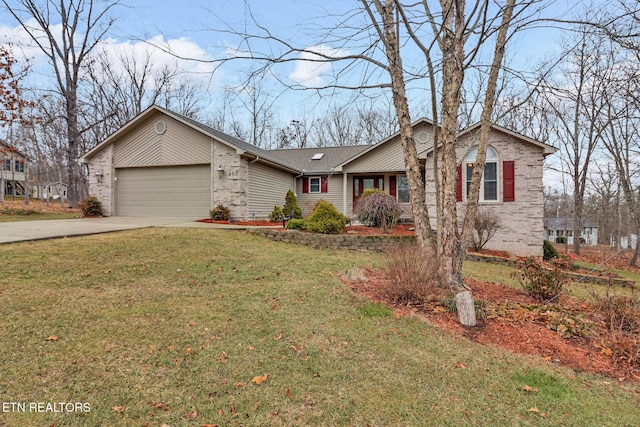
169 191
334 194
268 187
387 156
178 145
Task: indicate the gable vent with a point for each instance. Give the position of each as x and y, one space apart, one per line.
317 156
161 127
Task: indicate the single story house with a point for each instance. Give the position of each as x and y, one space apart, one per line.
13 169
560 230
164 164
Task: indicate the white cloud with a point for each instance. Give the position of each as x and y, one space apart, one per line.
180 53
311 69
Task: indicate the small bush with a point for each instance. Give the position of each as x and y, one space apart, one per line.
550 251
220 213
276 214
296 224
621 313
326 219
291 207
485 225
91 206
412 275
542 282
377 208
561 240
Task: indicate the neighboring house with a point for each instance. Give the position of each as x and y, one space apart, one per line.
626 242
13 168
560 230
52 190
164 164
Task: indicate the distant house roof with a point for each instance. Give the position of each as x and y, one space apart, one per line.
566 223
5 146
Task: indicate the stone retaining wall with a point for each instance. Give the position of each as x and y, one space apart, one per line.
381 243
334 241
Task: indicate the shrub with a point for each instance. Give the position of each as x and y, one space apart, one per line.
296 224
561 240
542 282
326 219
220 213
276 214
370 191
291 207
91 206
485 225
550 251
412 275
377 208
621 313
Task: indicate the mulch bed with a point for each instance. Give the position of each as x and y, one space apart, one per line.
515 321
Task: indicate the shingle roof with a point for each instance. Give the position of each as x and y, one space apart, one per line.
301 158
566 223
245 146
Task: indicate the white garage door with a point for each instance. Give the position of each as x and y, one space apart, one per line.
170 191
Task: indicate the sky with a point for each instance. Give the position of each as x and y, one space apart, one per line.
189 29
199 29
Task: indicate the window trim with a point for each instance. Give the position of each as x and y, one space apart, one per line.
469 161
398 192
311 178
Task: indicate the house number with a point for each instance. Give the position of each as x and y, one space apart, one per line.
233 174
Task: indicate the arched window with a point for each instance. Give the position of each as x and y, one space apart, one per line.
489 185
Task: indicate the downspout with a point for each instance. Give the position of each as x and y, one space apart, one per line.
295 181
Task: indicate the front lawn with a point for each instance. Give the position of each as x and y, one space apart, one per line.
198 327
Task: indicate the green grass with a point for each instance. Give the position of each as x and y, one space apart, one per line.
158 323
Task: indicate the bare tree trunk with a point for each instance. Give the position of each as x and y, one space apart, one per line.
73 136
417 195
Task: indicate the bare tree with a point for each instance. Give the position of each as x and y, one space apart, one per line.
454 37
351 124
83 23
13 106
577 102
296 134
120 86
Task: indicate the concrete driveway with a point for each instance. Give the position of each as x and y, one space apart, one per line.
38 230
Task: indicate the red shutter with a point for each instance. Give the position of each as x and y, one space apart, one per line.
324 184
508 181
392 185
459 185
305 185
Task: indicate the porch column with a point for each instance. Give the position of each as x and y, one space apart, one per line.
344 194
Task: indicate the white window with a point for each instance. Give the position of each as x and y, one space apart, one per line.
489 185
314 185
402 193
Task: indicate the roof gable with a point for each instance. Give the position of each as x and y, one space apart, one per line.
547 149
299 160
241 147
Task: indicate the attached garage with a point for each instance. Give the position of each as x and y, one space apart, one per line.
167 191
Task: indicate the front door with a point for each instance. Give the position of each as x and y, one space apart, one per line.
361 183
